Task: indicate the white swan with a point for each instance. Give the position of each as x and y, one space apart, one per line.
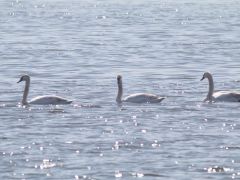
228 96
136 98
41 100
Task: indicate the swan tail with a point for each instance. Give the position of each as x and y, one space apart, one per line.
160 99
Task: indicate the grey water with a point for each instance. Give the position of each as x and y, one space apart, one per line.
75 49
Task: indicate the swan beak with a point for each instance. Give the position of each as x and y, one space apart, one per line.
202 78
20 80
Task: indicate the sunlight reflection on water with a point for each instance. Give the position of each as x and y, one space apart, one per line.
76 50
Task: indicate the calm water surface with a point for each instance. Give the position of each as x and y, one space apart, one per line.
77 48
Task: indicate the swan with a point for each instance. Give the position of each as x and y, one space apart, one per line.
41 100
228 96
136 98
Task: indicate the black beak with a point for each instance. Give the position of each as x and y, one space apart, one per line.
20 80
202 78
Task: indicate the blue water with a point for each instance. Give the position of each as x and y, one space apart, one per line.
76 49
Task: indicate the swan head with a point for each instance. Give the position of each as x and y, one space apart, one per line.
206 75
24 78
119 79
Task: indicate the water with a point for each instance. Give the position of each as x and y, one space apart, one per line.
77 48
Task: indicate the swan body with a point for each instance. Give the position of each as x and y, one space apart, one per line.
49 99
136 98
227 96
143 97
41 100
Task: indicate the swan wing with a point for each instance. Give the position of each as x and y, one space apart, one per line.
44 100
227 96
143 98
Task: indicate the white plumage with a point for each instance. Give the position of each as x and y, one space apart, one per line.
227 96
49 99
136 98
41 100
143 97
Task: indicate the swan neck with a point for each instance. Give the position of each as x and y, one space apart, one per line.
25 93
211 88
120 92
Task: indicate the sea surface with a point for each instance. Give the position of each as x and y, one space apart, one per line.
76 49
